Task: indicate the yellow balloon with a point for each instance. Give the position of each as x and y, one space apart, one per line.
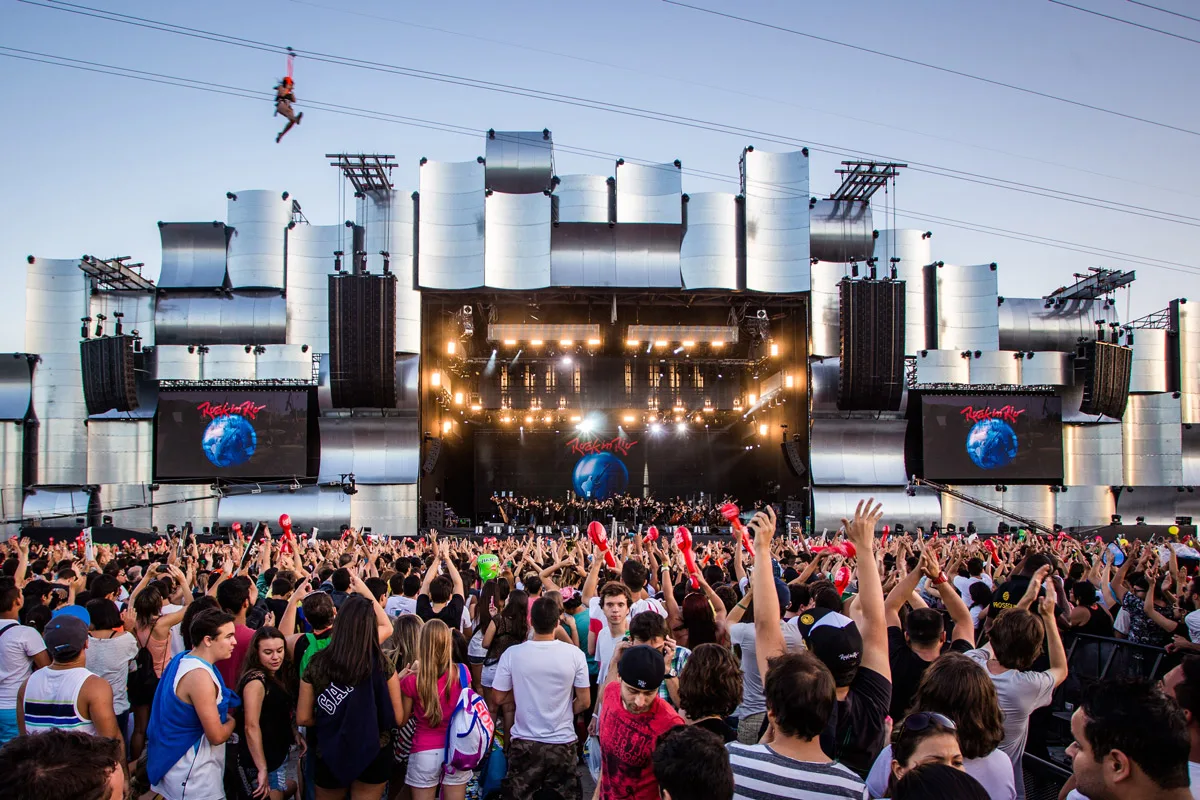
1124 542
1173 530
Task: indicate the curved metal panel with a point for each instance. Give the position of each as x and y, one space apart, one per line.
375 449
1148 372
16 386
824 377
12 468
310 261
583 198
388 218
517 253
1152 439
959 513
1047 368
968 318
128 504
826 307
175 363
308 506
1034 502
913 249
136 308
193 255
519 162
583 254
1092 455
243 318
649 193
1001 367
852 452
943 366
648 256
227 362
120 451
389 510
408 381
291 362
451 223
1084 506
777 220
832 504
841 230
57 506
1026 323
1191 455
55 299
1158 504
258 246
180 503
1189 360
708 253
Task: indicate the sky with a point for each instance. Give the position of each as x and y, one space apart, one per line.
91 161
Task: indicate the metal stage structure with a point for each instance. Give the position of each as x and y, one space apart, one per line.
502 305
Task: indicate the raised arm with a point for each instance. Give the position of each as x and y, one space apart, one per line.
964 628
383 625
768 636
901 593
455 578
1054 645
861 531
593 577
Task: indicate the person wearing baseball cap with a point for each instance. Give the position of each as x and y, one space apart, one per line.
66 695
632 717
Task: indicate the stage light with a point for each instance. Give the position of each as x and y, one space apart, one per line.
789 381
566 361
510 342
588 424
566 342
436 378
458 398
708 409
535 342
737 402
774 349
548 419
506 420
446 426
575 418
451 347
678 409
752 398
593 342
655 428
476 407
529 419
717 344
629 419
632 342
688 343
762 429
681 427
660 343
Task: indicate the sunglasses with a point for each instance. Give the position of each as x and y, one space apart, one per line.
923 719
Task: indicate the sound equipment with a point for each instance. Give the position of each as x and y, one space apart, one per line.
435 514
109 380
794 509
871 377
433 449
1103 370
362 340
794 458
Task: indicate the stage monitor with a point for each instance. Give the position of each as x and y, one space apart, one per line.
996 439
231 433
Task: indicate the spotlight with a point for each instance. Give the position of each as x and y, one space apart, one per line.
789 381
774 349
528 419
762 429
566 361
660 343
629 419
632 342
688 343
446 425
681 427
535 342
436 378
593 342
655 428
678 350
458 398
566 342
716 345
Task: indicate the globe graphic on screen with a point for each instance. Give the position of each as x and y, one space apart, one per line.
992 444
600 475
229 440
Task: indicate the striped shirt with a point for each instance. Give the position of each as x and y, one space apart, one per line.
759 773
51 701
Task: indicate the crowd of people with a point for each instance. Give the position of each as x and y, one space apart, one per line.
776 666
631 510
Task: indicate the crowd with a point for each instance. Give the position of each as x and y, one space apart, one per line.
631 510
854 666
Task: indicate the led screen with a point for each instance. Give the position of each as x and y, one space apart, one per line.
992 438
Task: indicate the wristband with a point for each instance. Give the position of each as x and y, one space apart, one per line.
940 579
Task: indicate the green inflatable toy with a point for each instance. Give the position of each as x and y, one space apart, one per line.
489 566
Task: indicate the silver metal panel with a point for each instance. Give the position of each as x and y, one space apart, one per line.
1046 368
137 308
12 461
452 211
388 217
389 510
959 513
408 381
943 366
227 362
177 504
1072 398
968 318
583 254
1189 360
1033 502
519 162
1092 455
1027 324
996 366
648 256
128 504
16 386
324 390
57 506
583 198
1191 455
1148 372
1152 440
55 299
517 253
284 362
258 246
1085 506
649 193
326 508
310 261
849 452
832 504
375 449
826 307
708 254
825 386
243 318
175 363
120 451
1158 504
913 249
777 221
193 255
841 230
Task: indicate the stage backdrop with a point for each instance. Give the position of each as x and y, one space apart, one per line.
996 439
230 433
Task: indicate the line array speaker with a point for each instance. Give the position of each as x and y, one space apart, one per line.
433 449
871 377
109 380
794 458
1103 369
362 340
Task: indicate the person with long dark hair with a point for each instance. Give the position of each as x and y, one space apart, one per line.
266 726
152 629
710 688
491 597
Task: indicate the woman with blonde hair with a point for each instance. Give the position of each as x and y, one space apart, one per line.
401 650
429 690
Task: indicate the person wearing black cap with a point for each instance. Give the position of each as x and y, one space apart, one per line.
632 717
65 695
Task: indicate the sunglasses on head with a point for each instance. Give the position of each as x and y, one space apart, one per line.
923 719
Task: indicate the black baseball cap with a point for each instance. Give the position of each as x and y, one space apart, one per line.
642 667
833 638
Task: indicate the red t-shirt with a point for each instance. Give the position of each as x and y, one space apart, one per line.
627 743
231 668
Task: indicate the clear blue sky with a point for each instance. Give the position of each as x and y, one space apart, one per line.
91 162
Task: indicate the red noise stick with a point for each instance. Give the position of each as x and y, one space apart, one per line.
683 540
237 529
844 549
883 539
652 534
841 579
285 522
599 538
990 546
730 512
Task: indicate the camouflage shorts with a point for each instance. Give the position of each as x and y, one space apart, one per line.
536 769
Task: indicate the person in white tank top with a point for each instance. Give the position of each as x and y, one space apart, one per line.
66 695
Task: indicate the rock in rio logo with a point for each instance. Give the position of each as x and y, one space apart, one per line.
247 409
618 444
1006 413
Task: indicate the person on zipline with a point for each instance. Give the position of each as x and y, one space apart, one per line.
284 97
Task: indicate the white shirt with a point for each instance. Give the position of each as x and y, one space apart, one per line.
1193 624
742 635
17 649
112 659
963 585
648 604
994 771
398 604
543 677
202 767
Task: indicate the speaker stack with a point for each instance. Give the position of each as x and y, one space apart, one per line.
109 380
435 514
362 340
1103 369
872 345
